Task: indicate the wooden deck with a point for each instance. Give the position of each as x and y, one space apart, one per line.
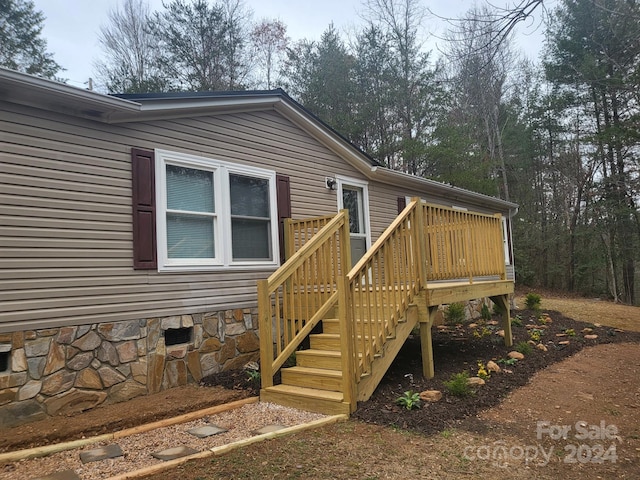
357 320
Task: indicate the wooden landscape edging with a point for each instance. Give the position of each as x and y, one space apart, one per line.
223 449
61 447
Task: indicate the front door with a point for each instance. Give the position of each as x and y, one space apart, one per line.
354 198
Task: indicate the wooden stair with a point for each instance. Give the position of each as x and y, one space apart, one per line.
315 383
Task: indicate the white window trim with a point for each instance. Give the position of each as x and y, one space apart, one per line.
354 182
222 232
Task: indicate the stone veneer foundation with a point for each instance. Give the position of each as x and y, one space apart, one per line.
71 369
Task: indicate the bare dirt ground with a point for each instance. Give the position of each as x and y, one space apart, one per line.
593 398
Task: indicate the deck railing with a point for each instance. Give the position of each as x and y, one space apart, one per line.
462 245
424 243
299 232
382 284
296 296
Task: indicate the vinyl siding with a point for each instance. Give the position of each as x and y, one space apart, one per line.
65 224
66 253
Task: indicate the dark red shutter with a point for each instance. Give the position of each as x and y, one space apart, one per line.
283 192
144 209
402 204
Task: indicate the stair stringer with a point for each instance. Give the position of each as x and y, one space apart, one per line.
368 383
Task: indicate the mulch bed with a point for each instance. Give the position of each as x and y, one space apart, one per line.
457 349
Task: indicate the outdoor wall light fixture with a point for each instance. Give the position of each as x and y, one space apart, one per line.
330 183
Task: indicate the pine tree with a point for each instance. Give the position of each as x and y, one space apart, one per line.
22 47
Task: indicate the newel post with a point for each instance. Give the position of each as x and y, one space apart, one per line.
347 343
420 239
266 334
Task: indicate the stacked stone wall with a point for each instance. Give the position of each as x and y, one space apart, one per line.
70 369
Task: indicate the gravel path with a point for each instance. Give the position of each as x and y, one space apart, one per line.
240 423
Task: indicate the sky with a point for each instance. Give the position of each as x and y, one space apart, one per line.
71 27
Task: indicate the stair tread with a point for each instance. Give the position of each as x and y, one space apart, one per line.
315 351
307 392
315 371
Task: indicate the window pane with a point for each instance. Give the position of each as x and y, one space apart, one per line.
249 196
189 189
190 236
350 201
251 239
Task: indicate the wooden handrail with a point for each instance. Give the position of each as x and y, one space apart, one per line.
300 293
382 284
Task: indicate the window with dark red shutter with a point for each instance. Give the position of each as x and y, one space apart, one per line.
402 204
283 193
144 209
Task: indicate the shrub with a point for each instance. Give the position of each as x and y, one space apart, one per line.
409 400
532 301
459 385
524 348
485 312
253 376
516 321
454 314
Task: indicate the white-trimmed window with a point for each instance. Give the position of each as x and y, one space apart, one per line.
213 214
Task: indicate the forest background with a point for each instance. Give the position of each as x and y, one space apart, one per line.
560 136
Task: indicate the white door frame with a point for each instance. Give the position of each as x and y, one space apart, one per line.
364 186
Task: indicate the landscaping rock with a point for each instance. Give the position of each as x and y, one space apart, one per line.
500 333
542 347
431 395
476 381
591 337
564 342
516 355
493 366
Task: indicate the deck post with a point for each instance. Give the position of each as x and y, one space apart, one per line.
347 344
502 301
266 334
421 242
426 317
426 344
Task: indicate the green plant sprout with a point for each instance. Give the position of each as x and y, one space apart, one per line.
409 400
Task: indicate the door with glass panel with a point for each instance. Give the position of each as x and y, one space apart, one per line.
353 199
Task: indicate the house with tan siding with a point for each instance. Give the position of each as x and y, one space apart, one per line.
133 231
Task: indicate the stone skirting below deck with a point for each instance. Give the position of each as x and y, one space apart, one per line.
61 371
